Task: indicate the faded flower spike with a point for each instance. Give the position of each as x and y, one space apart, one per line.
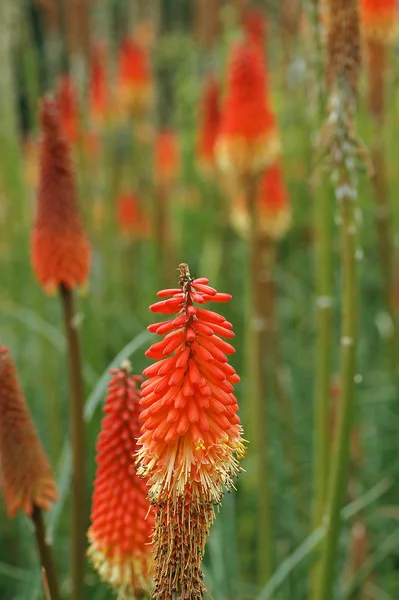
60 251
25 472
190 442
122 522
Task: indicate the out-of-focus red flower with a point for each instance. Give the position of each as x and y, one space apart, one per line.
248 138
25 472
98 89
60 252
273 208
68 108
135 85
190 440
121 519
166 157
132 221
254 24
379 20
209 125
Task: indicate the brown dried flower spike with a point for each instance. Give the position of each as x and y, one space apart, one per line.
25 472
343 43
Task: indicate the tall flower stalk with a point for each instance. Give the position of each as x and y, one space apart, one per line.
379 23
27 480
342 148
61 259
190 442
248 141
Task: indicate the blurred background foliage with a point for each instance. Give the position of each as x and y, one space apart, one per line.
188 39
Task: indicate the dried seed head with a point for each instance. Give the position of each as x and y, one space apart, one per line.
343 44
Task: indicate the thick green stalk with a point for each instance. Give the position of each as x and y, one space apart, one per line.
45 552
257 352
343 155
78 446
322 392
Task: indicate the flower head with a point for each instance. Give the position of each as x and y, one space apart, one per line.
135 85
255 27
166 157
131 219
209 125
121 519
190 442
60 251
98 92
248 137
274 211
68 108
25 472
379 20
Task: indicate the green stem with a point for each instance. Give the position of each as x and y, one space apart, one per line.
78 445
45 552
322 391
343 153
259 414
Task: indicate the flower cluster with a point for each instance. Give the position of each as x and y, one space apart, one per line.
60 252
121 519
209 125
190 442
25 472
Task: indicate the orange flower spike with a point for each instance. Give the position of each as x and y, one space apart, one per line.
379 20
25 472
248 139
68 108
274 211
209 125
166 157
98 92
191 429
131 219
254 24
135 85
60 252
190 442
121 519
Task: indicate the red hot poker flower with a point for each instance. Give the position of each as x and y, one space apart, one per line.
68 108
190 440
131 219
25 472
121 519
209 125
274 211
135 85
379 20
98 92
248 138
255 27
60 251
166 157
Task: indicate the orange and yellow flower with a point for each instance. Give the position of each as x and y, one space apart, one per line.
248 138
209 126
60 252
134 84
121 519
25 473
132 221
379 20
273 208
166 157
190 442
